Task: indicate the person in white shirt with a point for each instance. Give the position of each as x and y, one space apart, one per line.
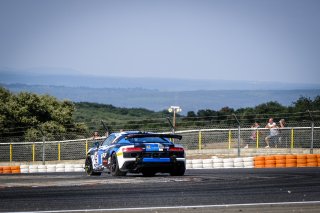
272 126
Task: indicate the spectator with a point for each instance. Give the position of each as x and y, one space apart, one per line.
282 123
96 135
272 126
253 137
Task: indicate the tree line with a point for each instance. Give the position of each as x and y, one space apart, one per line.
30 116
300 110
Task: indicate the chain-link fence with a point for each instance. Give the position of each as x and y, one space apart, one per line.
200 139
296 137
46 150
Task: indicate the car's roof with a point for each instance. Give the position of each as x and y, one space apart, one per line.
133 134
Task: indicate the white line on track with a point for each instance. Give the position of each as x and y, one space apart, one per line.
176 207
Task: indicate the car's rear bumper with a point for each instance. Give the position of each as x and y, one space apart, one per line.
164 165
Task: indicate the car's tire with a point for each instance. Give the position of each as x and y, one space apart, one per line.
89 168
178 170
148 173
114 169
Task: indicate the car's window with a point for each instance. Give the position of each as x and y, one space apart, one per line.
123 140
148 140
109 140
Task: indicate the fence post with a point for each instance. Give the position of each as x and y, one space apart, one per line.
200 140
292 138
59 151
229 138
86 147
10 152
33 152
312 135
238 134
312 132
43 150
257 138
43 146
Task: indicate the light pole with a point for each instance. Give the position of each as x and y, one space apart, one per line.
174 109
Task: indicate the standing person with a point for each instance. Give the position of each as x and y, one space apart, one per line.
253 137
95 135
272 126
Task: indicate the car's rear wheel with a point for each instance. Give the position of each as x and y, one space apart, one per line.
178 170
88 167
114 170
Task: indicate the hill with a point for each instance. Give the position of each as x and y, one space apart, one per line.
118 118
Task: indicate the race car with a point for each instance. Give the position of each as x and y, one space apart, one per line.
137 152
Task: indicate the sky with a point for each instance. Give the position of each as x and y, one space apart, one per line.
255 40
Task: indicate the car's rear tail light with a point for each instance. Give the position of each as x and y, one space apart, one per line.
176 149
132 149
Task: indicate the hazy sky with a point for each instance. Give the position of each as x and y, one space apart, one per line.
260 40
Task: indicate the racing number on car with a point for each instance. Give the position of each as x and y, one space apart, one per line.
97 158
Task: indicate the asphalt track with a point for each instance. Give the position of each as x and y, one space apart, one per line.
218 190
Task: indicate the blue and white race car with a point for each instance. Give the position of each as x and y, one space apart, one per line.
137 152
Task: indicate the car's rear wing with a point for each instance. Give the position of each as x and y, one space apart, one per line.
148 135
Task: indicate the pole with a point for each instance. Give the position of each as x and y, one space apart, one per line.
171 125
312 131
59 151
239 141
10 152
200 140
86 147
229 139
43 146
105 128
33 152
312 137
292 138
238 134
257 138
175 110
174 120
43 150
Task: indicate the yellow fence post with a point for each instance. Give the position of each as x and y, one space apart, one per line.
59 151
33 152
229 139
10 152
292 138
200 140
257 138
86 146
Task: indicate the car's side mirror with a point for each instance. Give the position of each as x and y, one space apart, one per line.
96 144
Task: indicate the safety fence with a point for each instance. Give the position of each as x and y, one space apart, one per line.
46 150
295 137
202 139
